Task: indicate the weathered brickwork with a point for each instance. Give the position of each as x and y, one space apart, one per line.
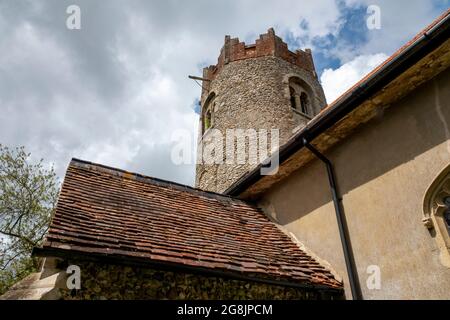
250 85
107 281
267 45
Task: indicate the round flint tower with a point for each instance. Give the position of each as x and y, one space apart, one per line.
258 86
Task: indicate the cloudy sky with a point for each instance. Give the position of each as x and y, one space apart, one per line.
115 91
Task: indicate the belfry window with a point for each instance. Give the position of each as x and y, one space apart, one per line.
299 94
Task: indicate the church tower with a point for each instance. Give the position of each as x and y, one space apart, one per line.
262 86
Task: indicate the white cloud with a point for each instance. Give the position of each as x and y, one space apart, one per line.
400 21
114 91
336 82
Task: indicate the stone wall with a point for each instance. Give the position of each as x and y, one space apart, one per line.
252 93
108 281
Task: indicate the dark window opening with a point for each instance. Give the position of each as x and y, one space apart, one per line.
447 213
293 100
207 123
304 103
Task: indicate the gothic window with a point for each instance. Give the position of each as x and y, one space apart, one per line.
447 213
437 214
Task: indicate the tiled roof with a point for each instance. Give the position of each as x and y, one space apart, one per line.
109 212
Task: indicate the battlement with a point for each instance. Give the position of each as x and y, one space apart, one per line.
268 44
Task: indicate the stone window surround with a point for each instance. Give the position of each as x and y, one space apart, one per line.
302 101
309 91
301 113
433 213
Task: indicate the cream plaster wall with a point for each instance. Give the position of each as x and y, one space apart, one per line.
383 171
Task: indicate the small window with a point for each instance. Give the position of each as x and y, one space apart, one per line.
207 123
299 94
208 112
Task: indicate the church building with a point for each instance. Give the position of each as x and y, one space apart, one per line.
357 207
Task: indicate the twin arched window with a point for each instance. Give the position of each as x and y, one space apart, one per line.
300 96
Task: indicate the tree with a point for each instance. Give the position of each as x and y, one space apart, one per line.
28 195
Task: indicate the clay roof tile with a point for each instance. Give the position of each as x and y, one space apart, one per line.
102 210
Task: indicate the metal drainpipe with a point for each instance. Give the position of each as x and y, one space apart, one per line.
342 224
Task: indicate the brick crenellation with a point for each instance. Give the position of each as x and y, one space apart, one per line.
268 44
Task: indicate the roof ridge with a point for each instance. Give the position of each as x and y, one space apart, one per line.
156 181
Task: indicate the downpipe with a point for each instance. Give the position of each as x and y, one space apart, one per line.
342 224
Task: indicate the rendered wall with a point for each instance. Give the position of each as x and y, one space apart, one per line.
383 171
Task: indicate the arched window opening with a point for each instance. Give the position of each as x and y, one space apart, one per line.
208 112
304 102
300 96
207 123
